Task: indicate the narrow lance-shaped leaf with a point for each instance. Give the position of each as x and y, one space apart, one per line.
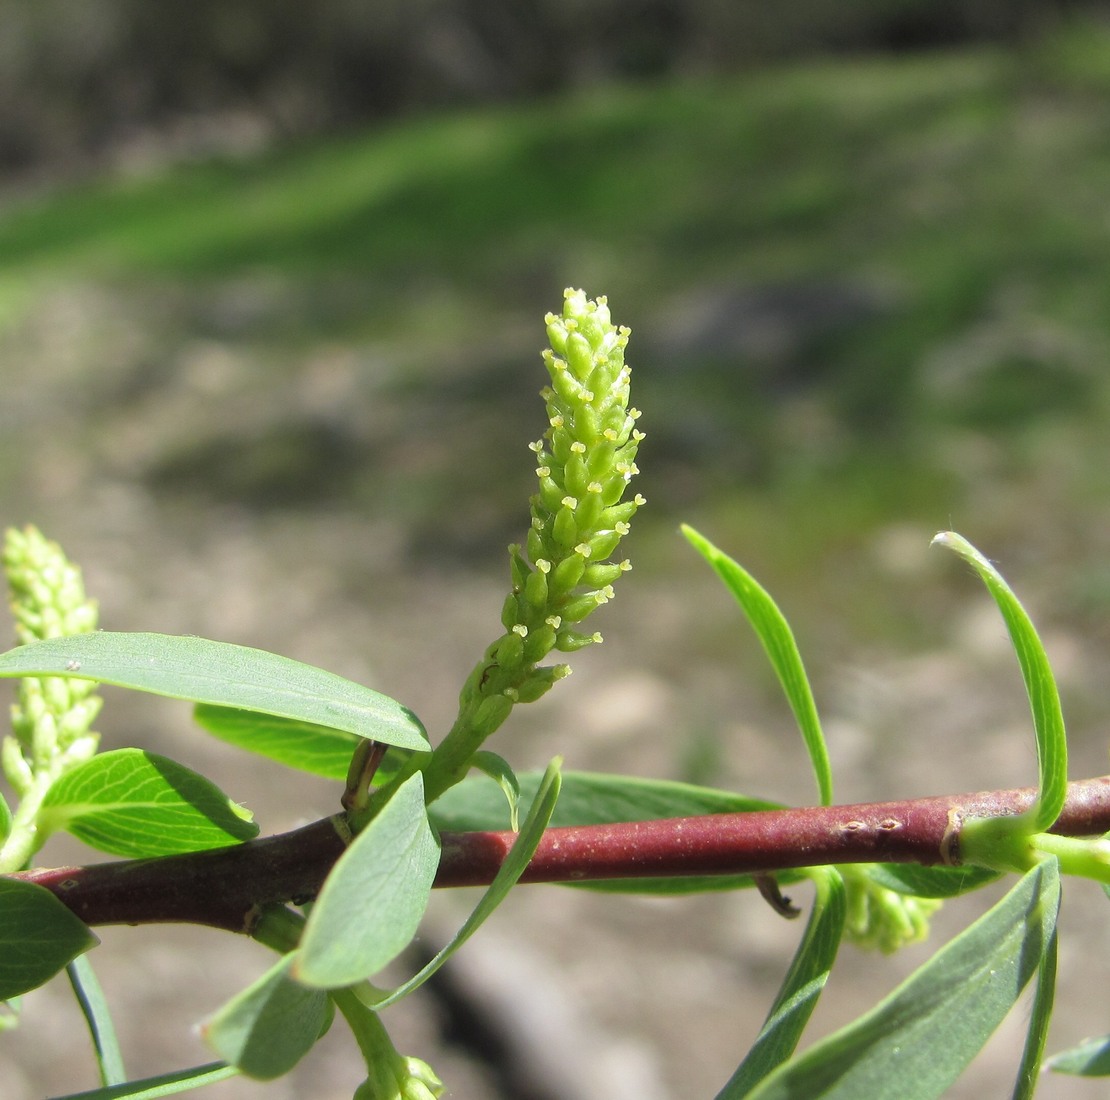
221 674
1029 1071
917 1041
373 899
774 632
931 882
1090 1058
498 769
802 986
94 1008
165 1084
539 814
1040 684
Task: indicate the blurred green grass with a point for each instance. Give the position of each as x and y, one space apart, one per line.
928 236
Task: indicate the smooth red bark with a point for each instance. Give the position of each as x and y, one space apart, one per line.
228 887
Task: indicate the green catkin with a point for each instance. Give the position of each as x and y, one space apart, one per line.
52 717
584 464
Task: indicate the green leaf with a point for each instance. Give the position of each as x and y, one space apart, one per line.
134 804
1040 685
591 798
519 856
587 798
499 770
269 1027
801 988
373 899
38 936
1030 1069
222 674
774 632
94 1008
5 819
917 1041
1090 1059
306 746
931 882
165 1084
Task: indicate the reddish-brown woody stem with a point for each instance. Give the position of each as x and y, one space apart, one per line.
228 887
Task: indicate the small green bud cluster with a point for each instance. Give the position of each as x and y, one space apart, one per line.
585 462
52 717
400 1078
882 918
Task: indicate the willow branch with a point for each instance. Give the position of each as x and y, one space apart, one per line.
229 887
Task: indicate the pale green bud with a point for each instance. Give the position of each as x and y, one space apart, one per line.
578 608
605 573
540 682
579 356
539 643
568 573
535 588
564 528
570 640
16 769
604 543
882 918
510 650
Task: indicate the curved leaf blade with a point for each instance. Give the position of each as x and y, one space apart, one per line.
134 804
917 1041
1039 1018
165 1084
777 639
519 856
265 1030
1040 685
1090 1058
94 1007
223 674
802 986
499 770
931 882
374 897
319 750
38 937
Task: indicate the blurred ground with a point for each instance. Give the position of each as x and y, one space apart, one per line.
285 402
